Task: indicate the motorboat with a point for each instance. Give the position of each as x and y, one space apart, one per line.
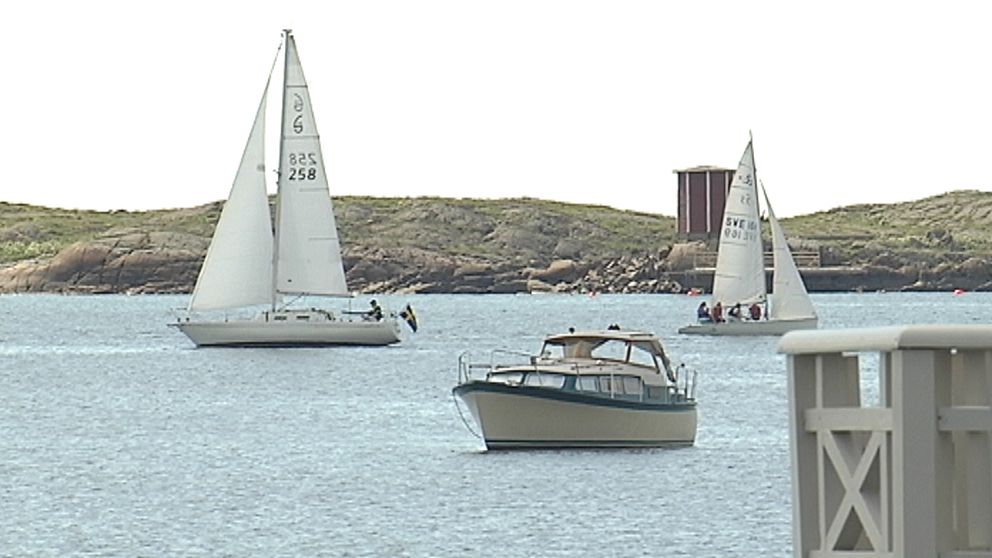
593 389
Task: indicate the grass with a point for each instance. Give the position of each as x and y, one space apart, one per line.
529 231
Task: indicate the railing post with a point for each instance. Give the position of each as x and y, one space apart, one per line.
805 517
910 477
914 453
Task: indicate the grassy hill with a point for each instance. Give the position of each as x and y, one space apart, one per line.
524 231
513 230
949 226
32 232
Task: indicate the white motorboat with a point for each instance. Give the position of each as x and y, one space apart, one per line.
739 277
248 264
598 389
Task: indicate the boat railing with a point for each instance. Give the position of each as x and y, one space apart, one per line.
465 367
684 386
691 383
467 364
468 367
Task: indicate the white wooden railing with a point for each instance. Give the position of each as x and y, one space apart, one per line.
908 475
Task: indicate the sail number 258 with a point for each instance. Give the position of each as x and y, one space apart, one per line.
302 166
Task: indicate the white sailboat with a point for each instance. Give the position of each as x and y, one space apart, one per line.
740 268
248 264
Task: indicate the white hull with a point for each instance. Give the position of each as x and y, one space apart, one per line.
256 332
759 327
521 421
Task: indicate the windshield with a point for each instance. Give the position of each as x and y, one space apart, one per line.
616 350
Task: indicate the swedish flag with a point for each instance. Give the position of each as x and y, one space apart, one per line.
411 318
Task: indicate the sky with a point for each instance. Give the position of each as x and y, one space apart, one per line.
139 105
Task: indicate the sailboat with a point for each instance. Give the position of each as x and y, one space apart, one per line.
249 264
740 267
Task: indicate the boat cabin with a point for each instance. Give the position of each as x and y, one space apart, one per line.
299 315
612 386
621 347
614 364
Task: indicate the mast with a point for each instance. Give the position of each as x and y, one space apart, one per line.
757 198
754 171
757 203
287 36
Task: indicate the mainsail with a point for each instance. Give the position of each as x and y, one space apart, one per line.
740 269
238 268
308 252
789 297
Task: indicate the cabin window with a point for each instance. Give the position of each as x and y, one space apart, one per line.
303 317
606 385
507 378
586 383
656 392
643 357
554 351
611 350
631 385
279 318
545 380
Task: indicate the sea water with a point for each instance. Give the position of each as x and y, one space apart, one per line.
119 438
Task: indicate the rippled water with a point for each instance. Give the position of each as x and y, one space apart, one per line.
118 438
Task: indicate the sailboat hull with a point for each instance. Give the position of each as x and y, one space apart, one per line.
270 333
754 328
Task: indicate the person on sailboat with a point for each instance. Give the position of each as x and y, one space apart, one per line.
375 313
735 312
717 313
703 313
755 311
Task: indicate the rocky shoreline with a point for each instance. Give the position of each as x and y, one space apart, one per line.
435 245
168 263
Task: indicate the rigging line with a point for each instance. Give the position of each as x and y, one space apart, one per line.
468 427
272 69
754 170
287 37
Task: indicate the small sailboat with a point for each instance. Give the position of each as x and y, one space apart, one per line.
739 277
248 264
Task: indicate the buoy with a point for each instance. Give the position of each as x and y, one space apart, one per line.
958 292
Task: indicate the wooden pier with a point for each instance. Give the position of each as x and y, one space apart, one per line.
908 475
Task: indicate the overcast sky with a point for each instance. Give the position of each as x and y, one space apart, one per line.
135 105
